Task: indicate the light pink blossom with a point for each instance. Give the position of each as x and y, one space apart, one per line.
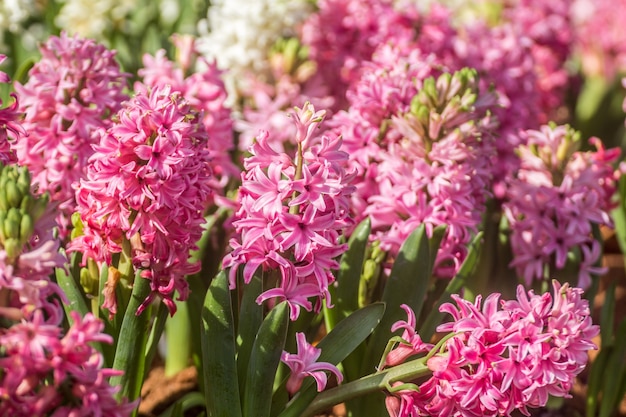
304 363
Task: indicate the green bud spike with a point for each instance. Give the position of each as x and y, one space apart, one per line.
27 228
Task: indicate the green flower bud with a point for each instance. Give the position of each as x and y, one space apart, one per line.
11 224
13 248
27 203
4 203
27 228
14 196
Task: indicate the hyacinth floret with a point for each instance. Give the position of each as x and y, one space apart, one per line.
72 91
556 199
503 356
145 192
304 363
292 212
29 250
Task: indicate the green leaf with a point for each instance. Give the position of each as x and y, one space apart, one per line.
221 390
77 300
434 242
248 328
607 316
407 284
594 382
264 359
434 317
614 373
186 403
344 294
336 346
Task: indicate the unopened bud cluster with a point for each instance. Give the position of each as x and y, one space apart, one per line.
19 209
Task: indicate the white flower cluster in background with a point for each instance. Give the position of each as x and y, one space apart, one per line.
91 18
13 13
238 34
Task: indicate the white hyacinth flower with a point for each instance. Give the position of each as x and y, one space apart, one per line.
238 34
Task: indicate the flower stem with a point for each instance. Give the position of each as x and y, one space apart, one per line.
368 384
130 351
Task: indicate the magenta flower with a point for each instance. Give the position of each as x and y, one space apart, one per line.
46 372
557 196
344 33
291 216
10 127
71 92
303 364
146 188
503 359
600 37
423 155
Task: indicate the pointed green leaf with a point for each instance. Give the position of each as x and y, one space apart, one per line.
433 319
77 300
248 328
264 359
221 389
407 284
336 346
434 242
344 293
607 316
594 382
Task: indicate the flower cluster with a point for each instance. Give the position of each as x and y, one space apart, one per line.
45 372
433 167
500 360
29 251
557 196
303 364
292 213
344 33
71 92
600 37
104 15
206 94
10 127
146 189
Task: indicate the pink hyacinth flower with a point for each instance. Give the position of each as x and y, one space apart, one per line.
303 364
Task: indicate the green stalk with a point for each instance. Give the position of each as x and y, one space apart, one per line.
178 336
130 352
379 381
